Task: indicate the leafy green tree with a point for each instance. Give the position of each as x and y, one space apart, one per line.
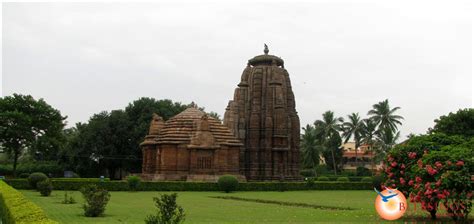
215 115
385 117
353 128
327 130
26 123
459 123
310 147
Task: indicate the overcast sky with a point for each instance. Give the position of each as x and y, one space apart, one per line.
83 58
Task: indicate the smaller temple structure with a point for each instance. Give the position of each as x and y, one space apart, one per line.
190 146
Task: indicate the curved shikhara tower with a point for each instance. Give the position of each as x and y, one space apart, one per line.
263 116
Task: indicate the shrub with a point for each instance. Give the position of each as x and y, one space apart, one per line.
15 208
323 178
44 187
68 199
23 175
366 180
34 178
228 183
96 200
133 182
377 181
342 179
169 212
309 182
362 171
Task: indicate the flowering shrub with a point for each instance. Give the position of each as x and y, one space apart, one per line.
434 169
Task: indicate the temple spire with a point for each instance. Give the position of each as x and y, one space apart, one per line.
265 50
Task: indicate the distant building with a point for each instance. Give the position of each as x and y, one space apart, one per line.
364 157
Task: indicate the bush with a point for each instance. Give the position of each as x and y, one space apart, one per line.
309 182
58 184
366 180
23 175
343 179
15 208
377 181
133 182
169 212
48 167
362 171
44 187
68 199
34 178
96 200
323 178
228 183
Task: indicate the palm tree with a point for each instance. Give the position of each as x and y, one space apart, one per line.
326 130
310 148
353 128
386 139
385 117
369 132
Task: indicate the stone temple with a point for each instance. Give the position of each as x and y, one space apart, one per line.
189 146
263 116
258 141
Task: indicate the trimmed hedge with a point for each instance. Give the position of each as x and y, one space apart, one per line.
59 184
15 208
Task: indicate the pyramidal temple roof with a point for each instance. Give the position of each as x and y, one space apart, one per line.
181 128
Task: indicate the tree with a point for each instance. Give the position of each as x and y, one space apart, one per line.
327 130
215 115
385 117
310 148
26 123
353 128
459 123
368 134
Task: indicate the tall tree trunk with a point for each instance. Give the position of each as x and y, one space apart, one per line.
16 154
356 145
333 162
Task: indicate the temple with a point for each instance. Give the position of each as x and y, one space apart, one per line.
263 116
258 141
189 146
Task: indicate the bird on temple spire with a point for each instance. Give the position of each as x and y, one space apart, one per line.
265 50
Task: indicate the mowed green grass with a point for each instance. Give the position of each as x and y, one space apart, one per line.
133 207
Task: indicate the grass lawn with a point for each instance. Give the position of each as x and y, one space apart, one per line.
200 207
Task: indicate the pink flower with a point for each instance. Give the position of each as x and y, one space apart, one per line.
420 163
430 170
438 183
390 175
460 163
394 164
438 164
390 158
402 166
412 155
418 179
449 163
410 183
402 181
441 196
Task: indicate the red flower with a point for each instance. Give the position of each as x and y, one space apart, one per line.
410 183
420 163
438 183
402 181
390 158
460 163
418 179
402 166
430 170
438 164
394 164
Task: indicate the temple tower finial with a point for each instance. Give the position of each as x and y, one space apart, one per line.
265 50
